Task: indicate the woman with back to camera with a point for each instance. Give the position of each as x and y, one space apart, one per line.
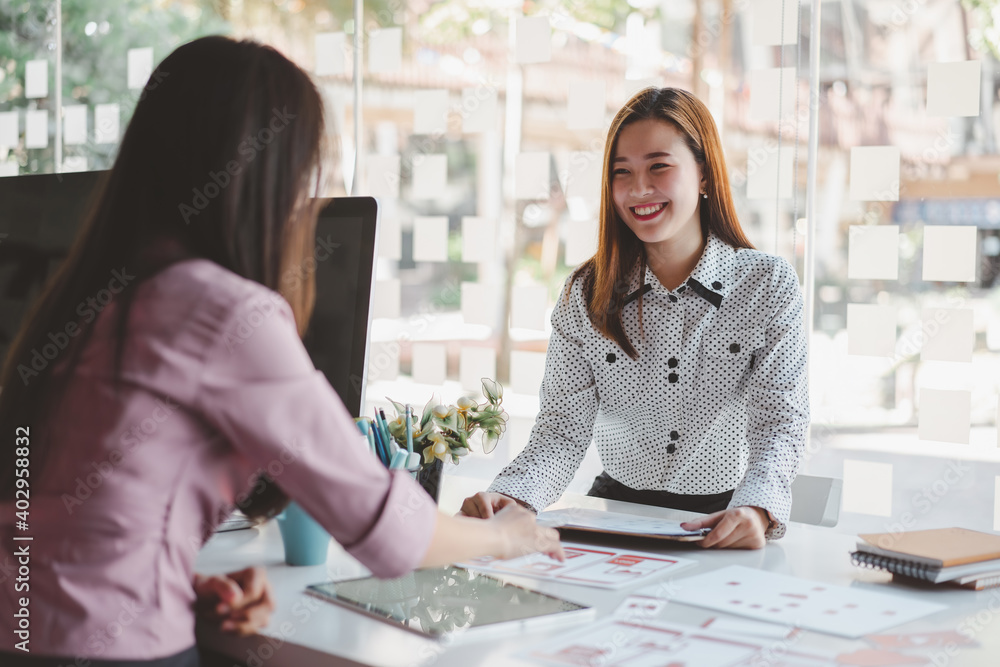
677 348
112 571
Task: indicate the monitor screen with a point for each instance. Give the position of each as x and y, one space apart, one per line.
40 216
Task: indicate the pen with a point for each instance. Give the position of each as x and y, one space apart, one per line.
369 433
379 445
409 429
384 424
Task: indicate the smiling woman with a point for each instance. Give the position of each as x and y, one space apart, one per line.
677 348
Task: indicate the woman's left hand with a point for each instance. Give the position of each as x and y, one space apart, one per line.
735 528
240 602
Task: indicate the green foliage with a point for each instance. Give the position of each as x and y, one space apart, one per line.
985 36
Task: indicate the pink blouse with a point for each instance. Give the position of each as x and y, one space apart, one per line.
216 388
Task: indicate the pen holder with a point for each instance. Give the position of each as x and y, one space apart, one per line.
306 542
429 477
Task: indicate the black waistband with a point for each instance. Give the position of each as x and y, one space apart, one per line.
607 487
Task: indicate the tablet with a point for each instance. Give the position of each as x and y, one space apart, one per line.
452 601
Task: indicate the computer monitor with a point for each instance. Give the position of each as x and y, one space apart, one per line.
40 215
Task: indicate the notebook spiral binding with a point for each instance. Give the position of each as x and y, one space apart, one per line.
906 568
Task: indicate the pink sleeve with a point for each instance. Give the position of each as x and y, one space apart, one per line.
260 389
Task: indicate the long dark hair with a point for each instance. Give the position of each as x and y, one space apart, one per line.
618 248
216 163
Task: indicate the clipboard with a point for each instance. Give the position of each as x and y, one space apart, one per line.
614 523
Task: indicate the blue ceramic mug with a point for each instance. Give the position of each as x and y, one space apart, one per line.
306 542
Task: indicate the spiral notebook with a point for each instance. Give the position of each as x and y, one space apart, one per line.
943 554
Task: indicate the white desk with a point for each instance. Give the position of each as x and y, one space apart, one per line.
305 631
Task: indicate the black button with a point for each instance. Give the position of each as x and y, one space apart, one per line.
734 348
682 288
674 435
611 357
717 285
672 362
671 448
672 298
672 377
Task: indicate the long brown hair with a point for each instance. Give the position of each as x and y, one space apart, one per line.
216 163
619 251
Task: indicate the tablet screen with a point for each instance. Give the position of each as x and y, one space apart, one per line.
444 600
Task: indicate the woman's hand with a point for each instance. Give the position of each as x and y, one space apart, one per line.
241 602
735 528
484 505
521 534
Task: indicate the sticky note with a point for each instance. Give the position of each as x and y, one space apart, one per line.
74 163
531 176
390 235
479 303
581 241
383 361
383 175
75 124
430 176
8 129
8 169
584 175
873 252
944 415
36 79
767 26
386 299
765 168
385 50
479 109
107 119
871 330
430 112
953 89
331 50
36 129
950 253
430 363
875 173
948 334
430 239
140 66
526 371
527 306
632 86
478 239
772 93
586 105
533 39
867 488
474 364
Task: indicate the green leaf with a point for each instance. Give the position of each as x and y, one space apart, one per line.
493 390
490 440
428 411
399 407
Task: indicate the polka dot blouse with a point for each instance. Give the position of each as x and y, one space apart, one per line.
717 399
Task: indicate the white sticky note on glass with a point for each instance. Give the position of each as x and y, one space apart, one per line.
383 362
479 109
386 299
107 120
948 334
385 50
331 48
950 253
430 363
772 93
36 79
875 173
479 303
474 364
36 129
765 168
953 89
430 112
584 175
581 241
8 129
533 37
767 27
430 238
8 169
867 488
383 175
586 105
74 163
632 86
873 252
944 415
430 176
526 371
531 176
527 306
478 239
75 124
871 330
140 66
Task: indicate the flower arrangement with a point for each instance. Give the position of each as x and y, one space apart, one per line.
444 431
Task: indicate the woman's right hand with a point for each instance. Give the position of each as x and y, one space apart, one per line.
484 505
522 535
